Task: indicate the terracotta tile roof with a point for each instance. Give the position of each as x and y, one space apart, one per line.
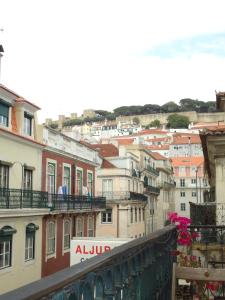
158 156
157 147
107 164
213 130
150 131
187 161
106 150
193 139
125 141
161 139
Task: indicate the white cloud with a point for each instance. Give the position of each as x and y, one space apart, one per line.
66 56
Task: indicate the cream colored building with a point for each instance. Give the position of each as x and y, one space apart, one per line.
119 182
20 197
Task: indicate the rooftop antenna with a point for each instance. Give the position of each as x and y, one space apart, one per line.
1 51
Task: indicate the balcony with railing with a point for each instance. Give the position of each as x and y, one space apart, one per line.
152 190
140 269
152 170
122 195
24 199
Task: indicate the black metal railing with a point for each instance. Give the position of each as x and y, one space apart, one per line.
18 198
169 185
139 269
123 195
210 213
152 170
208 245
153 189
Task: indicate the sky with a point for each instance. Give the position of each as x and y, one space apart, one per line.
69 55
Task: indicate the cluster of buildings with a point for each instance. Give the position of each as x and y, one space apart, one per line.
55 186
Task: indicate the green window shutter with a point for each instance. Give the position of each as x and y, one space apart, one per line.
4 110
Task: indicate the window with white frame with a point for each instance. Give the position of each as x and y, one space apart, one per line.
182 182
6 237
107 188
4 176
90 226
30 241
193 180
66 234
79 227
182 194
193 193
28 179
107 216
90 184
79 182
4 114
27 124
51 237
67 178
183 206
51 176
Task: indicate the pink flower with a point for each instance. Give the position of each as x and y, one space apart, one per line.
184 238
195 235
172 216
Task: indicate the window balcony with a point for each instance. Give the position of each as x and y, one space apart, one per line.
152 190
152 170
123 195
22 199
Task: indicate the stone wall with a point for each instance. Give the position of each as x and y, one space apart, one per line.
162 117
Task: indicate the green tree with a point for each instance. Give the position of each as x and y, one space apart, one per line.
136 120
170 107
155 123
177 121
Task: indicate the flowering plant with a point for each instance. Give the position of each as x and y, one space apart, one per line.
203 290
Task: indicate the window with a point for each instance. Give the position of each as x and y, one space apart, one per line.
4 176
182 194
66 235
131 215
91 226
143 214
135 214
107 188
193 193
28 179
139 214
27 129
107 216
79 182
79 227
51 238
6 234
182 182
51 178
30 241
193 180
183 206
90 184
66 178
4 114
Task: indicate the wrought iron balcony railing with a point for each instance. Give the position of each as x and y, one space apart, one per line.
18 198
123 195
152 170
140 269
211 213
152 189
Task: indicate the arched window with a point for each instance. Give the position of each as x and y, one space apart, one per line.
30 241
6 237
90 226
66 236
79 227
51 238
